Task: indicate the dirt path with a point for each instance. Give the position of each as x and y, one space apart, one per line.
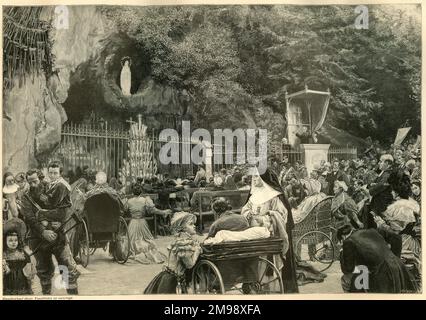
105 277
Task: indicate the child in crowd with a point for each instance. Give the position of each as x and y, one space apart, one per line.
183 253
18 271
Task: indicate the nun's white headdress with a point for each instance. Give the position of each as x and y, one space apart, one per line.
259 195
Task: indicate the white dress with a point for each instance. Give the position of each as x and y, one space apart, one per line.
125 79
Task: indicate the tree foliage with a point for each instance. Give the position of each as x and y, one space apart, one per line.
235 60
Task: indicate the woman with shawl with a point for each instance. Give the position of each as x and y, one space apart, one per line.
313 196
401 218
267 206
183 253
343 208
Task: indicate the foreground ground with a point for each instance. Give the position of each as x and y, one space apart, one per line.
105 277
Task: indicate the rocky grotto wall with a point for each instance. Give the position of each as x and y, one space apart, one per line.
34 114
95 86
87 66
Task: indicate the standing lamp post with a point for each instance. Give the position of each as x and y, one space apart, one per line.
307 108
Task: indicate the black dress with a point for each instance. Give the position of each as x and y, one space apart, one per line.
168 282
176 280
15 282
387 272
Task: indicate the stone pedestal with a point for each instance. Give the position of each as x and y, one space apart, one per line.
314 153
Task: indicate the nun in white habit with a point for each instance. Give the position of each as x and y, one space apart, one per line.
265 209
268 207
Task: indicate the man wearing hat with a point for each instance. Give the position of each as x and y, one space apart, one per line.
337 173
380 192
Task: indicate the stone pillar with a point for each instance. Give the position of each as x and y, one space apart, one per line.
209 162
314 153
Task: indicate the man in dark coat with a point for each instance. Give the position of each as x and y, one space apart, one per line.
47 237
304 135
229 183
294 192
380 269
337 174
380 192
237 176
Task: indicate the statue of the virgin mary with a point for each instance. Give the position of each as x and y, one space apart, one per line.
126 76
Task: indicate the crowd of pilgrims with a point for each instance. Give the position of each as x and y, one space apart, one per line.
375 207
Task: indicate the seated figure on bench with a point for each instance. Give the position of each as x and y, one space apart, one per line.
142 245
227 219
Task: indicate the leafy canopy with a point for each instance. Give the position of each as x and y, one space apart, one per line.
237 61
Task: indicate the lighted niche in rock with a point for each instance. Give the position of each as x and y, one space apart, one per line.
126 76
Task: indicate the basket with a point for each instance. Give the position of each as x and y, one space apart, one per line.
319 219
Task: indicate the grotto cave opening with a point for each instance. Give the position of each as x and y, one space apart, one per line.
95 84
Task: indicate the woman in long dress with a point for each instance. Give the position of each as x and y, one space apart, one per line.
183 254
142 246
268 207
